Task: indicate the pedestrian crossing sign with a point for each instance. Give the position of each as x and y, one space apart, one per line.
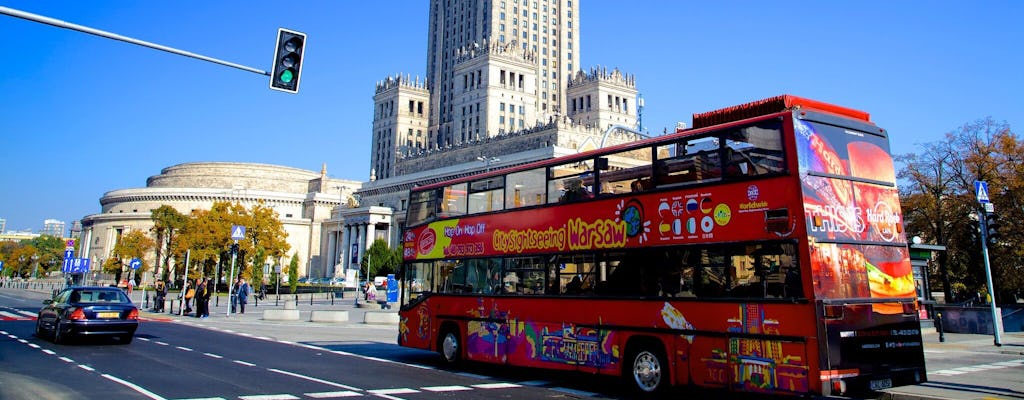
981 190
237 232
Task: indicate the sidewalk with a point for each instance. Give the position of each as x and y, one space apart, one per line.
1012 342
301 330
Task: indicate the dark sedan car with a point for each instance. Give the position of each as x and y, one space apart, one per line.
88 312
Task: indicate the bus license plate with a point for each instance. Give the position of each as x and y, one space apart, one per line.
880 384
108 314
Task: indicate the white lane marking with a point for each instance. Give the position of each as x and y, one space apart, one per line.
269 397
969 369
183 348
144 339
86 367
161 343
11 336
262 338
67 360
990 366
212 355
474 376
1014 363
574 392
50 352
134 387
26 313
33 345
332 395
3 332
335 384
244 363
205 398
10 315
502 385
23 340
393 391
445 388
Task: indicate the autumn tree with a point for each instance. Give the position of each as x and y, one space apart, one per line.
50 250
167 223
17 258
937 194
134 244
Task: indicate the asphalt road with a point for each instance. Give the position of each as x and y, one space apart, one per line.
245 357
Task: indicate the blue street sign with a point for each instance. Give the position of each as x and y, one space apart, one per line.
77 266
392 289
135 263
1 265
237 232
981 190
69 254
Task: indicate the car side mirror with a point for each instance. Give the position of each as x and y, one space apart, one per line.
48 301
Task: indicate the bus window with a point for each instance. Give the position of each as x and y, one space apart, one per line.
679 270
524 275
570 182
754 150
692 161
421 207
487 195
575 274
527 188
629 171
454 201
418 278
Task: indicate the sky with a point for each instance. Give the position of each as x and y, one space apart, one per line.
82 115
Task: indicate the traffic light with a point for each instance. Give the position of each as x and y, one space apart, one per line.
993 225
288 60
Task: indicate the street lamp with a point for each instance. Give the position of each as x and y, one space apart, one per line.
35 265
487 162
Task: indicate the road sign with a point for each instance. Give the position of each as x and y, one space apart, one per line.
70 243
1 265
237 232
981 190
76 266
69 254
135 263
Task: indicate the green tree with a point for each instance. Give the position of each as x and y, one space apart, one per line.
50 250
293 273
167 223
380 260
18 258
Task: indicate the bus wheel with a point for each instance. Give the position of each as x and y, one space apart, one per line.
648 371
450 346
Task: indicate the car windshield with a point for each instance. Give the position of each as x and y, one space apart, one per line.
98 296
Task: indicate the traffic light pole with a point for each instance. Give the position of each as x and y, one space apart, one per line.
997 320
75 27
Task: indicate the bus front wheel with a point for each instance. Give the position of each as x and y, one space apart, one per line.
450 346
647 370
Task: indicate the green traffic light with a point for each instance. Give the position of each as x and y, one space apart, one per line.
287 76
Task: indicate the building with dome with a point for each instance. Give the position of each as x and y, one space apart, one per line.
303 200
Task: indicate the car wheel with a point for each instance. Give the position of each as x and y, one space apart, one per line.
450 347
58 335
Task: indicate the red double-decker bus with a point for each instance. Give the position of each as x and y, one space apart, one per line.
760 251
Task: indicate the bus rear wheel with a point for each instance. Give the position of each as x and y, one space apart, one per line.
647 370
450 346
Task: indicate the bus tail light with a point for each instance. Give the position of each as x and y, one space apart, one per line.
834 311
910 307
838 386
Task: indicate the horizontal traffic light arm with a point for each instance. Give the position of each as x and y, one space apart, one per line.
67 25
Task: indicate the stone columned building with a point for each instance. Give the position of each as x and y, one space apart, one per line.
303 200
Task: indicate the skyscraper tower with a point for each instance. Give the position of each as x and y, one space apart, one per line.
537 39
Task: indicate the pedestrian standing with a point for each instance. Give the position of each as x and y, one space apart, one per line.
190 293
202 299
243 294
161 293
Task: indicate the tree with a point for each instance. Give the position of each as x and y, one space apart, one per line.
50 250
380 260
134 244
937 193
293 272
167 223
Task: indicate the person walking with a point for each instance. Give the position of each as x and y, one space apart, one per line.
243 290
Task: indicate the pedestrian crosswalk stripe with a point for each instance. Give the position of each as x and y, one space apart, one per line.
501 385
454 388
333 395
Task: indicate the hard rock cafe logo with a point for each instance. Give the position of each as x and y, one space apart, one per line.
753 192
427 241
